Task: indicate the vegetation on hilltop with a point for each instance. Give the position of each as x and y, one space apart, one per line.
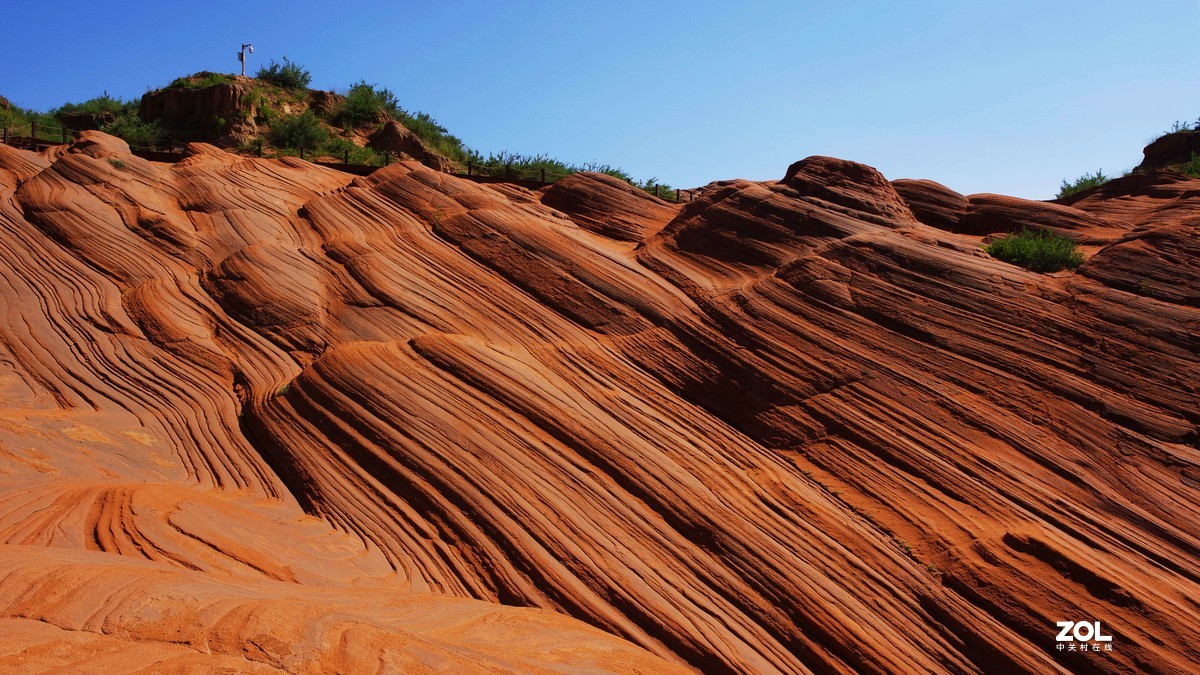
1089 180
277 118
114 115
289 75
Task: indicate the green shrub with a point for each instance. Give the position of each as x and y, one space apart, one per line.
100 104
436 136
289 75
1192 166
364 103
131 128
1087 180
299 131
339 147
1037 250
117 164
18 120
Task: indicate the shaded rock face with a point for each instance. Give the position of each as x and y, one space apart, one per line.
992 214
1170 150
221 112
346 424
396 138
932 203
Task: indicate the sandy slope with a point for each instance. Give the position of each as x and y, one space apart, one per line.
258 414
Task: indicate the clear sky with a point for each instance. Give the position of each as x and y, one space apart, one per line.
999 96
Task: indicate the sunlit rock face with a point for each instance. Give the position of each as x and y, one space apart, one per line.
262 415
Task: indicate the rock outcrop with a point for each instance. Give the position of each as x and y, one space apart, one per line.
222 112
1170 149
609 206
395 138
262 415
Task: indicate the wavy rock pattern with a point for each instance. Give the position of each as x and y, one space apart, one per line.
260 415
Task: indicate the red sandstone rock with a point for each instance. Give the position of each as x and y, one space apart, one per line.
257 414
932 203
608 206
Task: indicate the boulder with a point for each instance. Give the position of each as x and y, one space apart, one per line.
395 138
847 184
324 104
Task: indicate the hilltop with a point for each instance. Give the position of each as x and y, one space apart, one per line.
275 114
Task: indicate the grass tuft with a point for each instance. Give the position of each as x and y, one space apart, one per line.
1036 250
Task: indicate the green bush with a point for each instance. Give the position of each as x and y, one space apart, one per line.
18 119
131 128
1037 250
1192 166
100 104
436 136
365 103
338 147
1087 180
200 80
299 131
289 75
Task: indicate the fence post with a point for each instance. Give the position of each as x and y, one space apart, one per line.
387 157
470 165
64 134
32 133
508 170
543 174
302 152
346 157
6 134
677 196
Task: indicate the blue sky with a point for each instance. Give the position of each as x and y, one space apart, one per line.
1007 97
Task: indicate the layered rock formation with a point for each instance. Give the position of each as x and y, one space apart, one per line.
262 415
